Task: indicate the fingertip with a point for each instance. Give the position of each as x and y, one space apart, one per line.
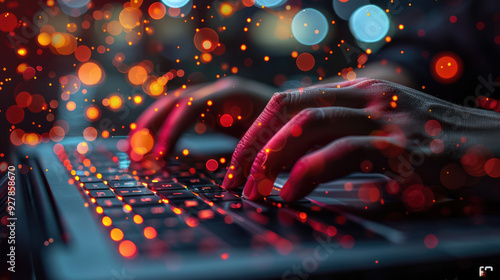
286 193
247 190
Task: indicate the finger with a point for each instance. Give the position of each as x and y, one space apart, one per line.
312 126
153 117
187 109
335 160
278 111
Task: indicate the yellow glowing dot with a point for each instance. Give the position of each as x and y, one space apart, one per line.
226 9
368 51
116 234
209 103
106 221
115 102
44 39
185 152
266 58
206 44
243 47
22 52
133 126
127 208
150 232
137 99
401 27
138 219
99 210
395 97
230 176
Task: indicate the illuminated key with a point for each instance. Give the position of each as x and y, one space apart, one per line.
95 186
132 191
101 193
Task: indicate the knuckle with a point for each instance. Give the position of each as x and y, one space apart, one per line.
308 115
278 98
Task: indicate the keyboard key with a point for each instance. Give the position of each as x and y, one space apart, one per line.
195 181
109 202
153 211
82 173
101 193
142 200
119 177
161 186
115 213
125 184
132 191
220 196
90 179
164 223
206 188
173 194
233 234
95 186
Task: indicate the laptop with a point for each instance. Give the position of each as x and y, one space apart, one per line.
85 211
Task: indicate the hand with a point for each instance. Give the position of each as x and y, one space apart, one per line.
361 125
161 124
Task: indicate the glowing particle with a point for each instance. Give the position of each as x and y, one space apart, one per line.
149 232
226 9
226 120
92 113
127 249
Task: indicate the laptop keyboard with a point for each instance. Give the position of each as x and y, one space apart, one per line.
183 207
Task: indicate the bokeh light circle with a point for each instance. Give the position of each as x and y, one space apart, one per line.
446 67
8 21
157 10
90 73
175 3
369 24
345 8
269 3
305 61
206 40
309 27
